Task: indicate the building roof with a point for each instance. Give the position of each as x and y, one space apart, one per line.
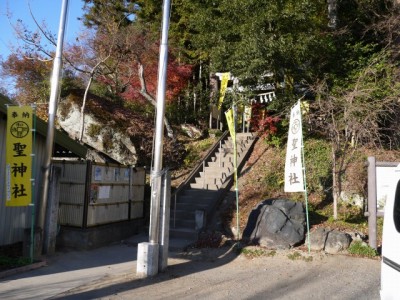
63 143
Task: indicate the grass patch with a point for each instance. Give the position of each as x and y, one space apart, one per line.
257 252
7 262
196 149
361 249
298 256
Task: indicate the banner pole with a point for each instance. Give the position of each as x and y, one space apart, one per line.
236 173
305 189
230 115
294 153
32 243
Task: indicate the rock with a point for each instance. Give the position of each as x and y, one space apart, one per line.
102 137
276 224
357 237
331 241
337 241
318 239
191 131
352 199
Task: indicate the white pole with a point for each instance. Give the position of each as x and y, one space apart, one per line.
54 94
148 253
159 130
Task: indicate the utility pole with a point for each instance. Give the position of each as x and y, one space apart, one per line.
148 253
54 94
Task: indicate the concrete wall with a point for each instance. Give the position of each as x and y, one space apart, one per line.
94 237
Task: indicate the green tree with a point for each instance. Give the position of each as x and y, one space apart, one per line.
356 98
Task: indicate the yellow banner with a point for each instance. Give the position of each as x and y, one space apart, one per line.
18 156
230 119
224 85
231 123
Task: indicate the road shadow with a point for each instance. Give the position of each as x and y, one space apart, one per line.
184 264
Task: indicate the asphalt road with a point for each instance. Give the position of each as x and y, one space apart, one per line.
110 273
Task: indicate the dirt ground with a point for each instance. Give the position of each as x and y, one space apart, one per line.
224 274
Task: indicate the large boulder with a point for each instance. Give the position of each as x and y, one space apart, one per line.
103 137
276 224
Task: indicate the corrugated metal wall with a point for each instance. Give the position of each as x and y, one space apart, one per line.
109 192
95 194
14 220
72 192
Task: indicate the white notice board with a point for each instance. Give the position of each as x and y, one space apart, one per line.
386 181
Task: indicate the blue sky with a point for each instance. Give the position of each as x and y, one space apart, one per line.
47 11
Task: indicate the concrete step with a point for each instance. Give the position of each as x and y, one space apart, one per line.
180 244
201 194
215 168
222 158
206 200
206 180
228 152
183 233
214 173
223 166
243 135
198 193
192 206
201 186
177 223
182 214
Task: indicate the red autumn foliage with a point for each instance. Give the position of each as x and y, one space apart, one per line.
262 122
178 77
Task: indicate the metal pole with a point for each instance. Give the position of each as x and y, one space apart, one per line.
54 94
159 134
220 153
236 171
372 202
165 217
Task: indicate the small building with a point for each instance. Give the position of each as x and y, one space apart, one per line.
72 159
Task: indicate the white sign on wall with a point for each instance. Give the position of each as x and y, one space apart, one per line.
386 181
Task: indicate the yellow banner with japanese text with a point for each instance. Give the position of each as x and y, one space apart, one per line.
231 123
18 156
224 85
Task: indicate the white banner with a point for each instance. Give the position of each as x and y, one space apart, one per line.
294 181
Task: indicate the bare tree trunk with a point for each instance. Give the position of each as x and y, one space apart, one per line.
148 97
83 108
335 184
91 75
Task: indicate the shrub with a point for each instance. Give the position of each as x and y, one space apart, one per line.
362 249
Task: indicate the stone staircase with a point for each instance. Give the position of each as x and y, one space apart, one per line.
194 202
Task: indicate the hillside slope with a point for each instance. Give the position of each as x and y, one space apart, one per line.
262 178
